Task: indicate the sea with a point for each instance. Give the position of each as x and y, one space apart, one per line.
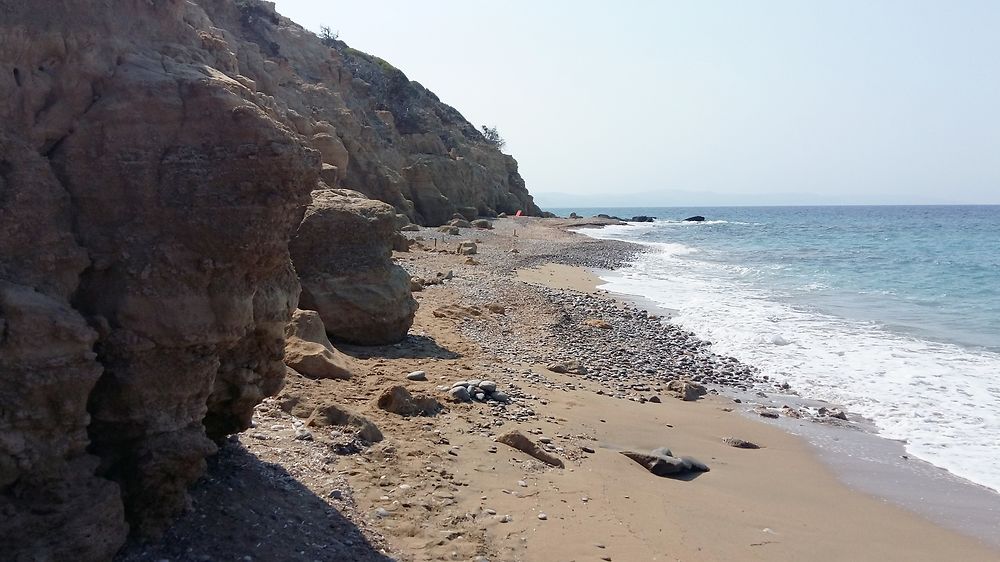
890 311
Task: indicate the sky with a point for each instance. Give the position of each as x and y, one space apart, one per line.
710 102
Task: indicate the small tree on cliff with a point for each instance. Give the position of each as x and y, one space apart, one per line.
493 137
329 38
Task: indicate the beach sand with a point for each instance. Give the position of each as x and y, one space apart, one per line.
441 488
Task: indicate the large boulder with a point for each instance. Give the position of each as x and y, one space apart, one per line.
308 349
342 252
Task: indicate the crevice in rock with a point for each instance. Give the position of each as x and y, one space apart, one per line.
17 77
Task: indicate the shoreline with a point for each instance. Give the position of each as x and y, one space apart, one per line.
861 457
442 487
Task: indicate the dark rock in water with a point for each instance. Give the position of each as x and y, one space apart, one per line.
610 217
696 218
642 218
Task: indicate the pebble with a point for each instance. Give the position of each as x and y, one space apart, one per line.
417 376
381 513
522 483
506 519
542 516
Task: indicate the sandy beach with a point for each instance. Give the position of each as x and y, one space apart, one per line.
440 487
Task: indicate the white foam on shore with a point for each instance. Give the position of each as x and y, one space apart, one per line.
942 400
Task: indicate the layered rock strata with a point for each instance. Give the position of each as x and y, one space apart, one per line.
155 160
343 254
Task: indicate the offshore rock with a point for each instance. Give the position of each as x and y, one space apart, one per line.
342 251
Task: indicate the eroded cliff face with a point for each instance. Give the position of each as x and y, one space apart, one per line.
146 203
378 132
156 160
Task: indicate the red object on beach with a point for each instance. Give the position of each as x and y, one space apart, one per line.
518 213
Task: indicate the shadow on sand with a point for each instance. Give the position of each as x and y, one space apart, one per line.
248 509
413 347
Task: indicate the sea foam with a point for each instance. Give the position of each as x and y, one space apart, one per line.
942 400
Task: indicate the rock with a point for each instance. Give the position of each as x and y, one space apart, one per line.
739 443
453 230
342 254
686 390
496 308
460 223
655 399
296 400
467 248
543 516
398 400
460 394
573 215
146 200
597 323
518 441
642 218
456 311
833 413
696 218
482 223
571 366
410 228
587 450
417 376
488 386
416 284
661 463
309 351
765 413
500 397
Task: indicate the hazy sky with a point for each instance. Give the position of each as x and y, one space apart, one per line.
808 101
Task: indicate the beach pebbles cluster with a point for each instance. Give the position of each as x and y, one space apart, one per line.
476 390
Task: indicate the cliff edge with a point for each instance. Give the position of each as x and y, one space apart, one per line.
156 160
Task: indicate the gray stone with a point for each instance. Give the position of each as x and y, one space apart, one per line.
460 393
417 376
488 386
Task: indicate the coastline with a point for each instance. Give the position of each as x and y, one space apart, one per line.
440 487
858 454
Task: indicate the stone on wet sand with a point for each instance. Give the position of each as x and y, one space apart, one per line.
417 376
518 441
686 390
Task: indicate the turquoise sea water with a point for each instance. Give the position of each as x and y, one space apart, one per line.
892 311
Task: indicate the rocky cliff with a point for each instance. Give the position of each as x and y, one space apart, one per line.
378 132
156 159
